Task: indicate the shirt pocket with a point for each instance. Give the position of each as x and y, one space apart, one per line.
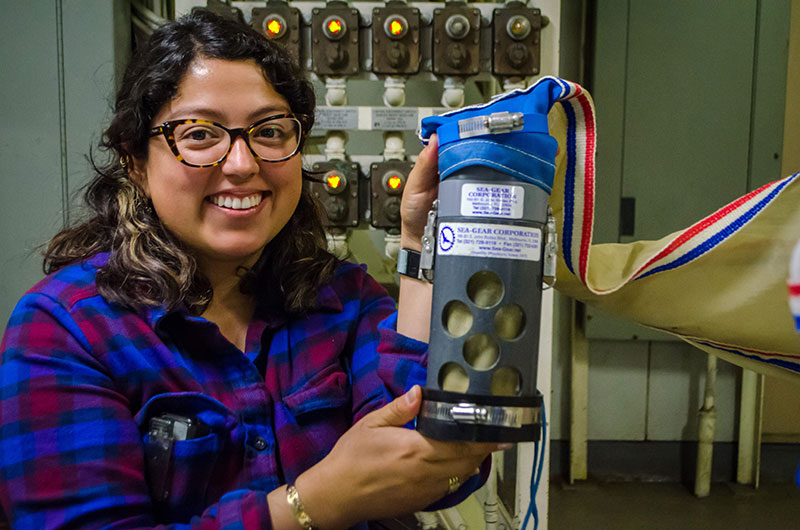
326 389
179 472
313 418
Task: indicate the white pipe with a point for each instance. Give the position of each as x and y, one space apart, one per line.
335 91
579 398
747 430
427 520
453 93
514 83
337 244
394 93
393 146
707 423
391 247
491 513
334 145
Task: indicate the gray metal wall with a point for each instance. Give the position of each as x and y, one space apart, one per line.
59 60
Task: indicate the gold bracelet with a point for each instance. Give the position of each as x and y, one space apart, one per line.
293 498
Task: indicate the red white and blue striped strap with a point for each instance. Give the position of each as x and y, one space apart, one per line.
794 285
685 247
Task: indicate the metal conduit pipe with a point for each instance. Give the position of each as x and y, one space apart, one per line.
491 513
707 424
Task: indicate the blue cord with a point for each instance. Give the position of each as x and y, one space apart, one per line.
536 476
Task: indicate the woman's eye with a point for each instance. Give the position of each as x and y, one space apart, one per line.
269 132
197 134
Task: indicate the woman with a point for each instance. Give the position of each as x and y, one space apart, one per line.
194 348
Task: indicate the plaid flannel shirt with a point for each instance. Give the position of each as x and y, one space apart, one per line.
81 378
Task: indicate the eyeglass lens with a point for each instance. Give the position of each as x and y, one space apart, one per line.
205 143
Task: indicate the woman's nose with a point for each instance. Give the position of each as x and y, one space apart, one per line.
240 161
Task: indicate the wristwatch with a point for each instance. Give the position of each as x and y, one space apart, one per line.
408 263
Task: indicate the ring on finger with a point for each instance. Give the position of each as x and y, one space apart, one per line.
453 483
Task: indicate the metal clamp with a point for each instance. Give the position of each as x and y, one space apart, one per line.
493 415
550 249
429 243
497 123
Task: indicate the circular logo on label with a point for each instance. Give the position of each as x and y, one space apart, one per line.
447 238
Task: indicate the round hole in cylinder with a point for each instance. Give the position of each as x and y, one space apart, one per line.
509 322
481 351
485 289
453 378
506 381
456 318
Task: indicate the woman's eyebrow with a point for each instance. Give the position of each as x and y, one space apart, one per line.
268 110
210 113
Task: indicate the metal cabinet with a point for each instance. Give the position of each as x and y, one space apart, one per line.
690 107
59 61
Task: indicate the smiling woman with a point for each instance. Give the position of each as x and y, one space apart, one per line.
195 357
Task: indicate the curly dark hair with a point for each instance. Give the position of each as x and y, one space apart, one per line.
148 265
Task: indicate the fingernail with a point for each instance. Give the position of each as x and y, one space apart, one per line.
411 395
505 446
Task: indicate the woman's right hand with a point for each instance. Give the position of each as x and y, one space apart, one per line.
380 469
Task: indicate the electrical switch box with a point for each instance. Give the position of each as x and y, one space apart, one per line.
395 39
280 23
334 39
516 42
387 182
224 9
336 187
456 40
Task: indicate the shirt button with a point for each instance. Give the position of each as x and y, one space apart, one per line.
260 443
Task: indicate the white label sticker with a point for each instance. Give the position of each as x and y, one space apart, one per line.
490 241
489 200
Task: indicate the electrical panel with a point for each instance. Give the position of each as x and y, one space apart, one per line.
224 9
336 187
280 23
395 39
516 43
387 182
456 39
334 39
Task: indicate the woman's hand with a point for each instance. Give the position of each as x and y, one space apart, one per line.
381 469
421 190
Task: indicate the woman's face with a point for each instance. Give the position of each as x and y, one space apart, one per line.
191 201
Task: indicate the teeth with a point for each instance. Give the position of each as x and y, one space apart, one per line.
236 203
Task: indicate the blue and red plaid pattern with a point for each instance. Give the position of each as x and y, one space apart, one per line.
81 378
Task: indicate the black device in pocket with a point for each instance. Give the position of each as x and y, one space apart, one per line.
163 431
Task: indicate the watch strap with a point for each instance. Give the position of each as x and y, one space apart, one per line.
408 263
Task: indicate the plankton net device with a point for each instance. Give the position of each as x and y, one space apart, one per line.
490 241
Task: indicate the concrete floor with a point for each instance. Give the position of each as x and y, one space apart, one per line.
672 506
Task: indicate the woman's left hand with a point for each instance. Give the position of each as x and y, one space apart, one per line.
421 190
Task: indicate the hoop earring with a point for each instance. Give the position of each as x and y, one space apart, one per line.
123 161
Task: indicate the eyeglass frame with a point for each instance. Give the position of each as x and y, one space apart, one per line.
168 130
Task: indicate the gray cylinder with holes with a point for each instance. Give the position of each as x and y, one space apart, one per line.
485 318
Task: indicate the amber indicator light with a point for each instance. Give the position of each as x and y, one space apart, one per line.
274 27
333 181
396 27
334 26
394 182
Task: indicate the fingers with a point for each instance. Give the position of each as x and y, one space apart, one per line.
426 170
460 450
399 412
